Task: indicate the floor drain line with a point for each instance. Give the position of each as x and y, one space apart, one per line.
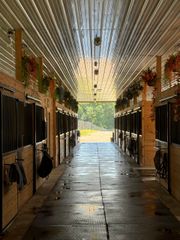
103 204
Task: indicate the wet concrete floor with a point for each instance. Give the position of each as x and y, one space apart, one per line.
102 196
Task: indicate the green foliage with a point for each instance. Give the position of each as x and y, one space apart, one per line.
44 84
28 66
59 93
24 70
100 114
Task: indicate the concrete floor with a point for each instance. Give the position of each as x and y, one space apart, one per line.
102 195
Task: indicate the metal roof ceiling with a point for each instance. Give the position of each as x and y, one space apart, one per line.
132 33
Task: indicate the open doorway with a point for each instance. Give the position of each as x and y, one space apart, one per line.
96 122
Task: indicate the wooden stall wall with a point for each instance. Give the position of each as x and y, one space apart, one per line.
167 94
175 170
13 197
135 128
27 156
10 193
33 113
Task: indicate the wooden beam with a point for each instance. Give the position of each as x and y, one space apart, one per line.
18 53
40 72
158 71
53 121
1 166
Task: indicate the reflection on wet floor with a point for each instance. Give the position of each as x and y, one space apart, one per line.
102 196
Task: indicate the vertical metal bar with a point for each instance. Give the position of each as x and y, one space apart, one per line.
169 143
34 146
1 164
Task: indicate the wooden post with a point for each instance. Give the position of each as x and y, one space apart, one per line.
18 53
148 129
34 148
53 120
1 166
158 82
40 73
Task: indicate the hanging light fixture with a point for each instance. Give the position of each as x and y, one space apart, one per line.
96 71
10 34
97 41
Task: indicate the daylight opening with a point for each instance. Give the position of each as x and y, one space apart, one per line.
96 122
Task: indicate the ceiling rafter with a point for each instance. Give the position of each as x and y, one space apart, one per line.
149 39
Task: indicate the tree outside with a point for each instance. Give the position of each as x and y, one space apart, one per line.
99 114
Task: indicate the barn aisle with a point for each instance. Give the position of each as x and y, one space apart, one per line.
103 196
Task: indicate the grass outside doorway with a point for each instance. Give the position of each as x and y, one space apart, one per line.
87 132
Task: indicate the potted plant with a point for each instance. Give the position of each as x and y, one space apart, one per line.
28 66
149 77
172 65
67 96
136 88
128 94
45 83
59 94
177 63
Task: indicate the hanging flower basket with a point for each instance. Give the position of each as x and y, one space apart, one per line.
133 90
45 83
136 88
128 94
32 65
59 94
177 63
67 96
121 103
172 65
149 76
74 105
29 67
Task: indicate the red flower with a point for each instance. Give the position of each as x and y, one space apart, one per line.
32 65
149 77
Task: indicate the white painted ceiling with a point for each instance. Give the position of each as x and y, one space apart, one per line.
132 33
